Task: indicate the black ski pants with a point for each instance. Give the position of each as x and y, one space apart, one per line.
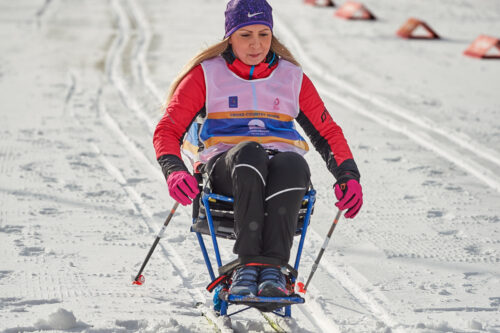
267 193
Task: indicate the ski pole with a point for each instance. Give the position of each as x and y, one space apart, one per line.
139 279
302 288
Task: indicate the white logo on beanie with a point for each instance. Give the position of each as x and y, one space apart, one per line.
254 14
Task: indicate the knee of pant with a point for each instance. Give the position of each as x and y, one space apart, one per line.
252 153
291 164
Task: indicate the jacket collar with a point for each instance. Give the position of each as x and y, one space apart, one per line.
247 72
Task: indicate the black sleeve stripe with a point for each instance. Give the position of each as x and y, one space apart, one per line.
171 163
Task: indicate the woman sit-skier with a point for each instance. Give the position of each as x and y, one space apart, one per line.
249 89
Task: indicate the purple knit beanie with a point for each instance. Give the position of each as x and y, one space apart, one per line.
240 13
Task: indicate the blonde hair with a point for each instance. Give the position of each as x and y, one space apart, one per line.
216 50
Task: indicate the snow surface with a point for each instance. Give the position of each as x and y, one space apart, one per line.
82 197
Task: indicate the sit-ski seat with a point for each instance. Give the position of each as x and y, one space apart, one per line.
223 218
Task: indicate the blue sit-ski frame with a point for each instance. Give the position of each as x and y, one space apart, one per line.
310 197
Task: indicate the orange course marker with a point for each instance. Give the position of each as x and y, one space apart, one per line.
413 25
482 47
354 11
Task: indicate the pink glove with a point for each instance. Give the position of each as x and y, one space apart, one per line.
351 198
182 186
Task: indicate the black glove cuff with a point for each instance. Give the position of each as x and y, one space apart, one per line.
345 178
171 163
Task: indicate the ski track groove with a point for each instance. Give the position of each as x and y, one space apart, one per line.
418 130
448 144
353 284
40 13
113 125
7 156
145 40
170 255
113 62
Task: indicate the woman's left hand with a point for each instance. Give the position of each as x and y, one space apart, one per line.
350 197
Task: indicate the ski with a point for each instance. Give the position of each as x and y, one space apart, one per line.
281 324
221 324
273 323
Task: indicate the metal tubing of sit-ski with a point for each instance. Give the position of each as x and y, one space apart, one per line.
205 255
223 308
327 239
236 312
257 299
205 198
158 237
212 230
311 199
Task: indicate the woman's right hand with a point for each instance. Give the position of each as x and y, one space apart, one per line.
350 197
182 186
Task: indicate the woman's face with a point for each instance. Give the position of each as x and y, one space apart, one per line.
251 43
